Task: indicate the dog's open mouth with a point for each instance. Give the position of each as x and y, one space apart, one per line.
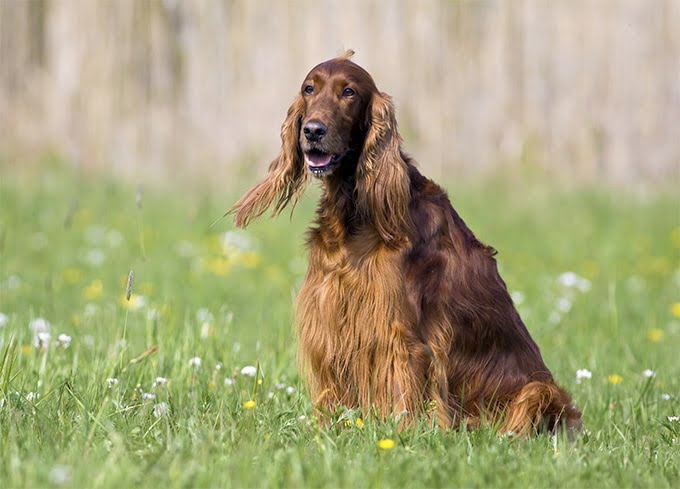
320 163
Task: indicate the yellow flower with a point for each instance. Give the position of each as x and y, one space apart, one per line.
360 423
218 266
675 309
348 423
135 302
259 381
72 275
211 385
654 335
26 349
250 404
94 290
386 444
615 379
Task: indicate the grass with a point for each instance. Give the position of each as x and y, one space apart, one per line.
68 243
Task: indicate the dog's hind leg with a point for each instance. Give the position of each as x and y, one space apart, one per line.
541 406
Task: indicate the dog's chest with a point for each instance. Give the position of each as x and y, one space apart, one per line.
350 302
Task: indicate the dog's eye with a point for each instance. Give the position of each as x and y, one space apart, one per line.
348 92
309 89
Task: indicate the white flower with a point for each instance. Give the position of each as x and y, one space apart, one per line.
649 373
64 340
111 381
13 282
563 304
270 395
152 314
280 386
60 475
218 366
666 397
204 315
160 381
671 419
40 325
32 396
571 280
517 297
206 327
114 238
195 362
234 242
136 302
302 417
148 396
583 374
228 381
42 340
249 370
3 319
161 409
290 390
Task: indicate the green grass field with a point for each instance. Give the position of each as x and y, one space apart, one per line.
97 391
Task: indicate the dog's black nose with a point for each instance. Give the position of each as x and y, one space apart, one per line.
315 130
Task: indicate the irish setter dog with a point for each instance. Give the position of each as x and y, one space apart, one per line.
402 311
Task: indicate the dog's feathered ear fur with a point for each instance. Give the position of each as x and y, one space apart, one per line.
286 177
383 189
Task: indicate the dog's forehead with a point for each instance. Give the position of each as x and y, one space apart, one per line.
342 67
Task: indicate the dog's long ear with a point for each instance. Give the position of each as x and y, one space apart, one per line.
286 176
383 189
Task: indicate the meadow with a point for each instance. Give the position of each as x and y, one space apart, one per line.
192 380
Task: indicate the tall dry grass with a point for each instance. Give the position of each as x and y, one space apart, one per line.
587 89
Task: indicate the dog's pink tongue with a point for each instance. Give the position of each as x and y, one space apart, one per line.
317 159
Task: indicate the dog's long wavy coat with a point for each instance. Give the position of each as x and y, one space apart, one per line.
402 308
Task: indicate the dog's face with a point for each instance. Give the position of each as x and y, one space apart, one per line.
337 95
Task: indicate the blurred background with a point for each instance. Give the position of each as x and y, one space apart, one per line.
583 90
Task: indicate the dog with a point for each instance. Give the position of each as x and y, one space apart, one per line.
402 311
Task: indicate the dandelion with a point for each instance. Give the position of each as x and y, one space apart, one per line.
250 404
112 381
94 290
160 381
3 319
72 275
161 410
666 397
675 309
583 374
218 366
60 475
259 381
290 390
40 325
229 381
386 444
195 362
672 419
649 373
571 280
614 379
64 340
42 340
359 423
249 370
302 417
655 335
